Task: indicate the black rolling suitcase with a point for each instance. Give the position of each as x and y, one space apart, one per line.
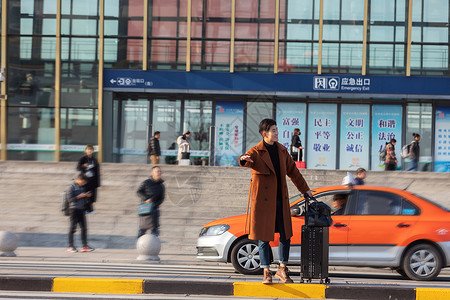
314 247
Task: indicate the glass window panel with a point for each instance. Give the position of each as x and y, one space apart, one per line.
381 33
135 28
84 27
110 51
330 54
65 26
352 33
331 9
400 34
27 7
265 53
419 120
247 9
80 48
135 8
415 56
267 9
256 111
245 53
417 11
49 26
50 7
330 32
399 56
196 29
316 9
26 26
25 47
246 31
401 10
435 57
65 7
435 35
197 8
48 48
164 51
351 55
218 30
164 29
217 53
435 11
198 119
111 27
112 9
382 10
218 9
167 120
353 10
381 55
85 7
378 203
299 54
267 31
299 32
416 33
78 127
28 126
299 9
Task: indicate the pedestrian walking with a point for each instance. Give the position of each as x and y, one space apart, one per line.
89 166
183 145
414 152
153 148
296 146
151 190
270 162
391 161
360 176
77 203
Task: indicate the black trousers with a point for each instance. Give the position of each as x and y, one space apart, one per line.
92 199
78 216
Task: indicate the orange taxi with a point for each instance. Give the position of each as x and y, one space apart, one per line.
380 227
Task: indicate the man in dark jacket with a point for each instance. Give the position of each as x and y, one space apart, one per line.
270 163
77 200
89 166
153 149
151 190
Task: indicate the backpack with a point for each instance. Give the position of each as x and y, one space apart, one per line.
406 150
65 206
382 154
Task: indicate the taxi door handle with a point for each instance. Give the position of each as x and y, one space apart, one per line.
340 225
403 225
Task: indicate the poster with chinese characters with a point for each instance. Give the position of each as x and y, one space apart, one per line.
354 141
386 125
442 139
322 128
289 117
229 132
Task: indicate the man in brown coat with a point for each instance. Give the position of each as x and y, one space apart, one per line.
270 162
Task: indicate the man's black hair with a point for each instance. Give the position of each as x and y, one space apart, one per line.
83 177
265 125
156 133
360 170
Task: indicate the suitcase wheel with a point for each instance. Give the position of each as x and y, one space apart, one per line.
327 280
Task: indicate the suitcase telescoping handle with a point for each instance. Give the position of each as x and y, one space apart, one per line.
307 199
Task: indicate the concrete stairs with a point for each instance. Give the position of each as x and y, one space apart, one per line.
30 198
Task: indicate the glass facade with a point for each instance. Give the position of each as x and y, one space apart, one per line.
249 42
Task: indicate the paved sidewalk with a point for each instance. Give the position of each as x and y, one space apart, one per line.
194 277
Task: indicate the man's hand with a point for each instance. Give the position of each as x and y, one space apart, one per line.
148 200
246 157
309 193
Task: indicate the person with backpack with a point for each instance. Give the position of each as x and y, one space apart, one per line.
414 152
77 197
390 163
183 145
153 149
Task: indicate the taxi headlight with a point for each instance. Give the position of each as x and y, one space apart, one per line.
214 230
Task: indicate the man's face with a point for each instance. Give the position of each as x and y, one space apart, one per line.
362 175
157 136
338 203
89 151
272 134
156 173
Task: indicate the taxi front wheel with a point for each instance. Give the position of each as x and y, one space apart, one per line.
422 262
245 257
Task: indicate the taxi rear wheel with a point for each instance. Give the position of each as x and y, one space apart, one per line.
422 262
245 257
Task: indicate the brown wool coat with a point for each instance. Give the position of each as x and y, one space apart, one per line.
263 190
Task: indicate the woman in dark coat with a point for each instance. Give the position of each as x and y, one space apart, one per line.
89 166
296 146
151 190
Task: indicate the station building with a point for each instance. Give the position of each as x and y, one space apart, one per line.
350 74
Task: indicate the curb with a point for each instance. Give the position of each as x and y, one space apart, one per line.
241 289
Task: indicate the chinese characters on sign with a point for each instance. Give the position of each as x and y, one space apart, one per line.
289 117
442 139
321 148
341 83
354 139
386 124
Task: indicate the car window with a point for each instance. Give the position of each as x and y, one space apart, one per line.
378 203
409 209
327 198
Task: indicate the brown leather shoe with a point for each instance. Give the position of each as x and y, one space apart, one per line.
283 274
267 277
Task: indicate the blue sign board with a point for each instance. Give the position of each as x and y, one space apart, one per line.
224 82
290 116
442 139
